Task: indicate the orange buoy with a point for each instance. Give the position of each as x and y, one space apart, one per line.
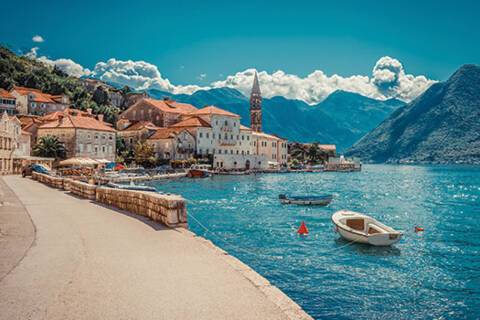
303 230
419 229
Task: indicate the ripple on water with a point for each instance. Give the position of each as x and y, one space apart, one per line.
435 274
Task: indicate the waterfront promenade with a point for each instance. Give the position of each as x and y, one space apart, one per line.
79 260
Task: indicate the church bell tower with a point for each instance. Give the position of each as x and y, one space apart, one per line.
256 106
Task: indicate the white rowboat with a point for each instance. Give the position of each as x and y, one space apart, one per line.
361 228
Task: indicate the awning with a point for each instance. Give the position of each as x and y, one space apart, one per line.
85 162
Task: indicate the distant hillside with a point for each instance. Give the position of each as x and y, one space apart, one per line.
342 118
440 126
22 71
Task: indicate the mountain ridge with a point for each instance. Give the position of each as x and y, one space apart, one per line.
440 126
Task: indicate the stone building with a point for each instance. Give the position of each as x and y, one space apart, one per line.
162 113
273 148
34 101
136 132
83 134
10 131
7 102
173 144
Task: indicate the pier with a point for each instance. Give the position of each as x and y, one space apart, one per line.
76 258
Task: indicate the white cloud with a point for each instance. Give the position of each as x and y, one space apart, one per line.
388 81
68 66
140 75
38 38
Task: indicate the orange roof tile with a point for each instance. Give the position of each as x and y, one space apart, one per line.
212 110
242 127
166 105
79 122
39 96
5 94
139 125
164 133
192 122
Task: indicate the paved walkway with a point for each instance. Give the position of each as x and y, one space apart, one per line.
91 262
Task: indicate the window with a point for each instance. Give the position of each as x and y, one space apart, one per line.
243 137
234 124
248 137
207 135
96 136
226 122
103 149
226 136
200 135
231 137
237 151
200 151
231 151
219 151
110 137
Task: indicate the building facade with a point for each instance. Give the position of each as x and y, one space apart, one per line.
10 131
173 144
162 113
34 101
7 102
83 135
136 132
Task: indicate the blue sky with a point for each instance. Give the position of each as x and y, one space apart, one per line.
186 39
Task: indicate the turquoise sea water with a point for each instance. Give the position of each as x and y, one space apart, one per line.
429 275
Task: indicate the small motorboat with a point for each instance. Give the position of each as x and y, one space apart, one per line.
131 186
199 171
361 228
320 200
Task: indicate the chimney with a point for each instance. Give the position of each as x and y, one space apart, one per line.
60 119
100 117
89 110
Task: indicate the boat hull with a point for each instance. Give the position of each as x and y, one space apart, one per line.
194 173
375 233
306 202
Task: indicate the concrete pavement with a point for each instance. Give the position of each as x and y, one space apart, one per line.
91 262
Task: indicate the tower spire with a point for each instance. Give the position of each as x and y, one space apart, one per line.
256 105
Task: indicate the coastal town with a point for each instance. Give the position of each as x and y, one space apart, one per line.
148 133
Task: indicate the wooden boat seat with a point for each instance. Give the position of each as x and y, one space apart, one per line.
356 224
373 229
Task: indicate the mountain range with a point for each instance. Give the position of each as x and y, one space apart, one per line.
440 126
341 119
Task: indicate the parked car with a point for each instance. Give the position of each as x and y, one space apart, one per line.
27 170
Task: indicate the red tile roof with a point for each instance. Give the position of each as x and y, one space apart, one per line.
167 105
39 96
192 122
139 125
242 127
212 110
5 94
164 133
79 122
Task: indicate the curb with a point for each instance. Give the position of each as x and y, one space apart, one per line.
291 309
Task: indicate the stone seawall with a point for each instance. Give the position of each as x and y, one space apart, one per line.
169 210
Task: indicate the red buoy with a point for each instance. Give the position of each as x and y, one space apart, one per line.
419 229
303 230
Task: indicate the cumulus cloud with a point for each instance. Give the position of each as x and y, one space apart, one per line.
38 38
140 75
388 80
68 66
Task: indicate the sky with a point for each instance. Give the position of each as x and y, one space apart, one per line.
203 44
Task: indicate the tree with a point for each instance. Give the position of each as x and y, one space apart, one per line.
144 154
50 147
313 152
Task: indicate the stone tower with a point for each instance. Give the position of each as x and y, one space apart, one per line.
256 106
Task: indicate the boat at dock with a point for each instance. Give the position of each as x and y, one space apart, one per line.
319 200
357 227
199 171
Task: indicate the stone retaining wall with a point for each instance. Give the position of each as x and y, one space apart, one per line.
55 182
167 209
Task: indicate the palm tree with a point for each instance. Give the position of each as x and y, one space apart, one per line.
49 146
313 152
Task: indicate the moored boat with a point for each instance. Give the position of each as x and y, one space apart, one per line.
319 200
361 228
199 171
